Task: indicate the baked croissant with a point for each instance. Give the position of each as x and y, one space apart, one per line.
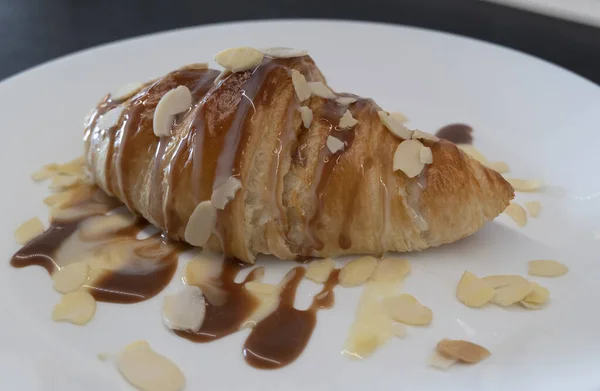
319 187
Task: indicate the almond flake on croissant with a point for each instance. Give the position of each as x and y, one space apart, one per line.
297 198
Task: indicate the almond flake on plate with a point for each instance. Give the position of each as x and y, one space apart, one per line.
29 230
301 87
438 361
406 309
546 268
225 193
334 144
394 126
425 155
347 121
533 207
391 269
399 330
319 270
538 295
512 294
63 182
502 280
97 227
239 59
175 101
185 310
473 152
317 88
417 134
464 351
407 158
346 100
283 52
71 277
147 370
201 223
307 116
75 307
126 91
357 271
261 288
531 306
525 184
517 213
45 172
499 167
474 292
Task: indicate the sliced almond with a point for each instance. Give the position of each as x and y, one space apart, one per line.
512 294
473 152
346 100
98 227
474 292
464 351
301 87
223 75
175 101
407 158
261 288
525 184
317 88
391 269
29 230
282 52
399 330
502 280
406 309
201 223
538 295
126 91
394 126
499 167
225 193
307 116
546 268
239 59
71 277
319 271
60 214
439 361
63 182
45 172
185 310
147 370
357 271
334 144
425 155
110 118
399 117
533 207
531 306
75 307
201 271
417 134
517 213
347 121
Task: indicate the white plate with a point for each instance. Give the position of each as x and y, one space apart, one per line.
539 118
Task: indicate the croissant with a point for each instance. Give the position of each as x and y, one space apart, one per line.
301 171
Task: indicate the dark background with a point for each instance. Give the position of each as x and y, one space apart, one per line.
34 31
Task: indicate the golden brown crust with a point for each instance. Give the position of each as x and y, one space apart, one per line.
297 198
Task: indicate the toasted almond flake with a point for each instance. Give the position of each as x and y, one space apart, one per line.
239 59
531 306
147 370
71 277
517 213
261 288
301 87
394 126
74 168
223 75
201 271
225 193
474 292
473 152
318 88
406 309
538 295
283 52
346 100
533 207
60 214
347 121
391 269
357 271
63 182
110 118
319 271
307 116
499 167
184 310
464 351
425 155
29 230
417 134
175 101
98 227
546 268
512 294
399 330
438 361
45 172
201 223
525 184
502 280
399 117
125 91
334 144
407 158
75 307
